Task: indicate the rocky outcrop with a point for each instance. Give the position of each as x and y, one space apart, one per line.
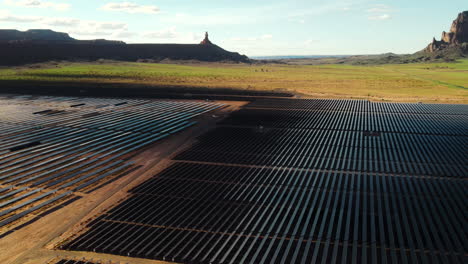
457 36
459 31
16 54
206 41
32 46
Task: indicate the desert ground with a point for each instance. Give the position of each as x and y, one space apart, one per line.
424 82
277 172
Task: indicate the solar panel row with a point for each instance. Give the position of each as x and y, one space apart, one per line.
289 205
68 151
334 150
359 106
353 121
80 261
339 181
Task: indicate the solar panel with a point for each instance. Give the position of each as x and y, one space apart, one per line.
26 203
33 209
303 181
14 200
48 145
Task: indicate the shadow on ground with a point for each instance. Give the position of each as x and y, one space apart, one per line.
110 89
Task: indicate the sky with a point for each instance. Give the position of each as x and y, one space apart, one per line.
250 27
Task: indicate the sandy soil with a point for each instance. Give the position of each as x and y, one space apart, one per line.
35 242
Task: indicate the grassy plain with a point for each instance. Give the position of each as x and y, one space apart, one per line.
430 83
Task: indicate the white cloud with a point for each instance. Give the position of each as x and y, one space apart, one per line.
77 27
380 12
107 25
132 8
168 33
61 22
379 9
380 17
310 42
95 29
7 17
84 27
85 33
38 4
172 35
123 34
302 16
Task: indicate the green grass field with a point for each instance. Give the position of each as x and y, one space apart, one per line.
431 83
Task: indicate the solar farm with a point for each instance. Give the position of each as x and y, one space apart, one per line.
78 261
53 148
272 180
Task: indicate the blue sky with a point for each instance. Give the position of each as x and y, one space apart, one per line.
251 27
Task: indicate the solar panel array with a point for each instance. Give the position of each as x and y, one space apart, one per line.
334 150
81 261
270 187
53 147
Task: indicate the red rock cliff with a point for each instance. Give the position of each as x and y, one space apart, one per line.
457 35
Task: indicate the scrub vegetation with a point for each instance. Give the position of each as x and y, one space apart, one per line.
421 82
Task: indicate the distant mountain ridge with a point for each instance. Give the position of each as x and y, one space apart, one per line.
42 36
8 35
32 46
